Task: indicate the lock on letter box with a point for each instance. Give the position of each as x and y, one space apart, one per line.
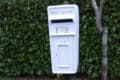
63 23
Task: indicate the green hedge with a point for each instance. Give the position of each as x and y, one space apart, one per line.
24 40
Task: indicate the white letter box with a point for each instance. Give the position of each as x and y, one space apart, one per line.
63 23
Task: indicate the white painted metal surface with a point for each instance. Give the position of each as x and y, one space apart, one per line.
63 23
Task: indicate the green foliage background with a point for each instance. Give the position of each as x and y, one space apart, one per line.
24 40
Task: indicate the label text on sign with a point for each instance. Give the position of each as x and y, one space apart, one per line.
62 30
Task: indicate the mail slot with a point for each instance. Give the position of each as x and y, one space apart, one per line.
61 20
63 23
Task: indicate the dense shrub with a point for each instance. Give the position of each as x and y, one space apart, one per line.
24 40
